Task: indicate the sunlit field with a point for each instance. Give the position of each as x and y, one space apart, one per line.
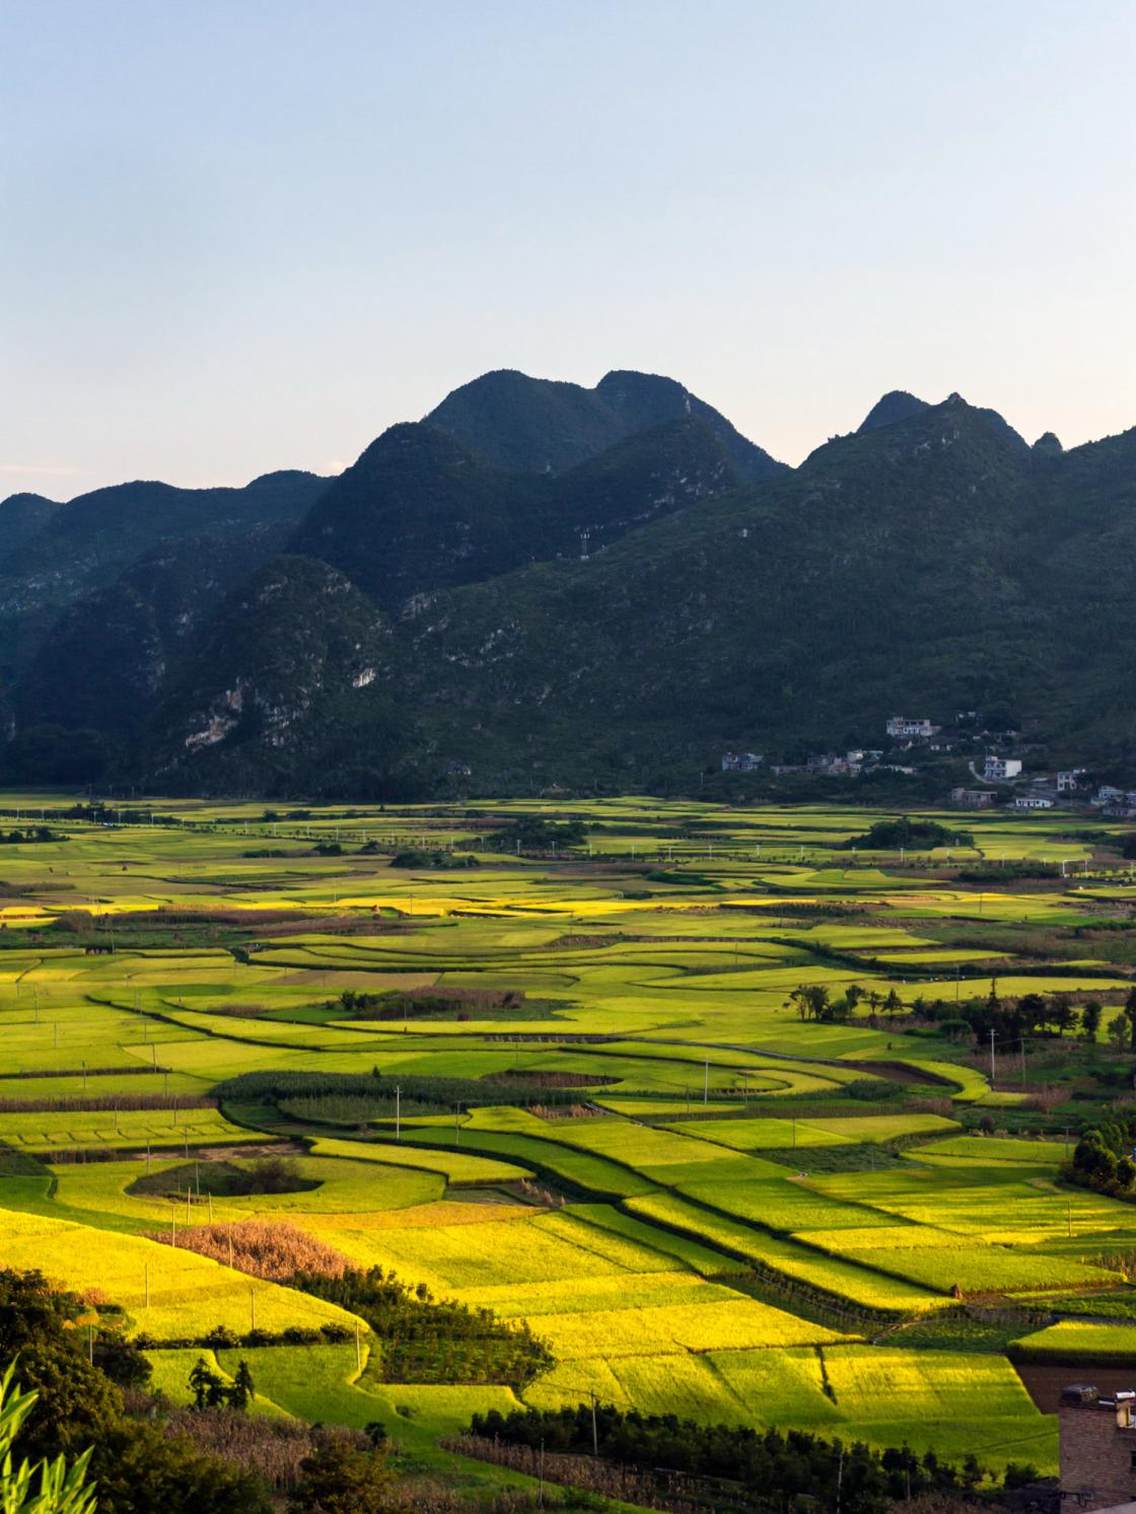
571 1084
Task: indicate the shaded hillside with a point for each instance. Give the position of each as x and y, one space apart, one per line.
418 512
284 693
86 543
21 517
527 425
890 569
620 622
106 658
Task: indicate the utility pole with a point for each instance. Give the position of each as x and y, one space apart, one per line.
595 1431
992 1073
397 1113
706 1082
839 1477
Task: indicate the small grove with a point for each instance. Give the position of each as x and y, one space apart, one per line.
420 1339
764 1470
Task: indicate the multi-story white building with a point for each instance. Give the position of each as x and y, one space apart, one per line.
904 725
997 769
740 762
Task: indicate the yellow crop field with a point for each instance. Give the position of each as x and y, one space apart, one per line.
188 1294
664 1329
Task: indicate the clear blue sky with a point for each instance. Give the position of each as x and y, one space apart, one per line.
246 234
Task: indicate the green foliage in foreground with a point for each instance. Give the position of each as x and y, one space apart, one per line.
46 1487
135 1466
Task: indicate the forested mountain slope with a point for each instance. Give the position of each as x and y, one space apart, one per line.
620 620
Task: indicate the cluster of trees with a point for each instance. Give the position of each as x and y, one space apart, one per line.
79 1406
419 858
421 1093
1103 1158
909 835
812 1001
424 1340
211 1391
773 1469
532 834
269 1174
399 1004
33 833
1031 1014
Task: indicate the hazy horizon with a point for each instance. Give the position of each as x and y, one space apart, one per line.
243 238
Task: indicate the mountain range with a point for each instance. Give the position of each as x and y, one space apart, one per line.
541 585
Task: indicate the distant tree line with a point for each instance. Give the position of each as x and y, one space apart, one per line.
771 1469
1030 1014
399 1004
428 1094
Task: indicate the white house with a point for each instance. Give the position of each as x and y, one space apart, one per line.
1070 778
903 725
740 762
1107 794
1033 802
999 768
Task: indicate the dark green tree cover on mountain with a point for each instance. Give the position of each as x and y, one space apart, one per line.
600 589
526 425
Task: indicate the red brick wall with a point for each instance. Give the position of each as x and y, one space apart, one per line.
1097 1468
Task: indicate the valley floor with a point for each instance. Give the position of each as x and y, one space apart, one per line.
572 1089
